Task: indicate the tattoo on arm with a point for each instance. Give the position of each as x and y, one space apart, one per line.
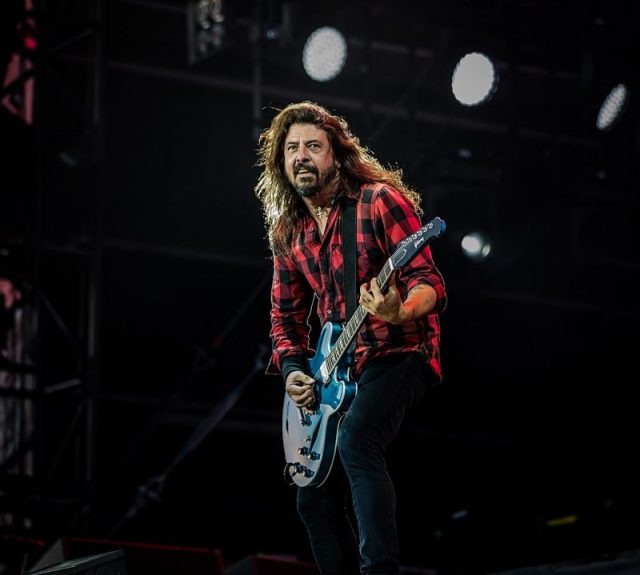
419 287
422 304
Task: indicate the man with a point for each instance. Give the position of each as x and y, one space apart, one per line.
311 164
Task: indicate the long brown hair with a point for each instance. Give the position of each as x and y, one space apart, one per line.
281 204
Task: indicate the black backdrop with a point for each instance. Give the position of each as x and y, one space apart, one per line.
537 418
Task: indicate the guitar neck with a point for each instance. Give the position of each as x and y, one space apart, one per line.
353 325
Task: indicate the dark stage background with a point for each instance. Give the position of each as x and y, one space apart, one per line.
129 223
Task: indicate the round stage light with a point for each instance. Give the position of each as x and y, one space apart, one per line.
474 79
324 54
476 246
612 107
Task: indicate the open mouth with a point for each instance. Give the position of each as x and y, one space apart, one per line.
304 171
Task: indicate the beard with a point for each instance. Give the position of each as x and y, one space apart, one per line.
312 187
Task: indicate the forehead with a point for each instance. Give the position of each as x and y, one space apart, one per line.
305 132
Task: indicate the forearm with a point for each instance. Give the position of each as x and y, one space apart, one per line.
420 301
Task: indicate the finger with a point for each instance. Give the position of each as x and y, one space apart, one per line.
300 388
301 380
392 293
295 390
376 294
305 399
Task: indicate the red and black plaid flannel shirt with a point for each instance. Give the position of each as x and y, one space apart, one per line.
384 218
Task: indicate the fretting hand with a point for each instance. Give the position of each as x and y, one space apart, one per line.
385 306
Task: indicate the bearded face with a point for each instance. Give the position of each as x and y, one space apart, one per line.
309 162
309 180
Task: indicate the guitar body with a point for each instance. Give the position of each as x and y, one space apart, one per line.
310 440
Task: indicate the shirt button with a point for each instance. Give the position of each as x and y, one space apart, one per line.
329 311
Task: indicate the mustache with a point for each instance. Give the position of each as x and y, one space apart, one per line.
301 166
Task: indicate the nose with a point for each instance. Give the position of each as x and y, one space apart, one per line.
301 155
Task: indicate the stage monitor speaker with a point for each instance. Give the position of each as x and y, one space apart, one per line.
261 564
52 556
109 563
145 558
622 563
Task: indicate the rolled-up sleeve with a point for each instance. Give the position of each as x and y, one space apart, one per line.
396 220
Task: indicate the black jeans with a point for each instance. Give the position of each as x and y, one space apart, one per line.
386 390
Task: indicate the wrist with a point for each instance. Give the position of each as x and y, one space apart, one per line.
291 364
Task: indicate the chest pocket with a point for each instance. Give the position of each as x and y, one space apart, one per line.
370 260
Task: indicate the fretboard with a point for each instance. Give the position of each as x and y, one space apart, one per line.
351 329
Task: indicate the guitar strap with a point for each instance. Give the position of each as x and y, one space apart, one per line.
349 255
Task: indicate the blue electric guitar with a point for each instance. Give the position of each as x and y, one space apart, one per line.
310 439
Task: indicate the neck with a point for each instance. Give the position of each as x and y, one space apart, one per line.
322 211
320 204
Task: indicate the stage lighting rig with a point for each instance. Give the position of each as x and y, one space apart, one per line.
206 29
